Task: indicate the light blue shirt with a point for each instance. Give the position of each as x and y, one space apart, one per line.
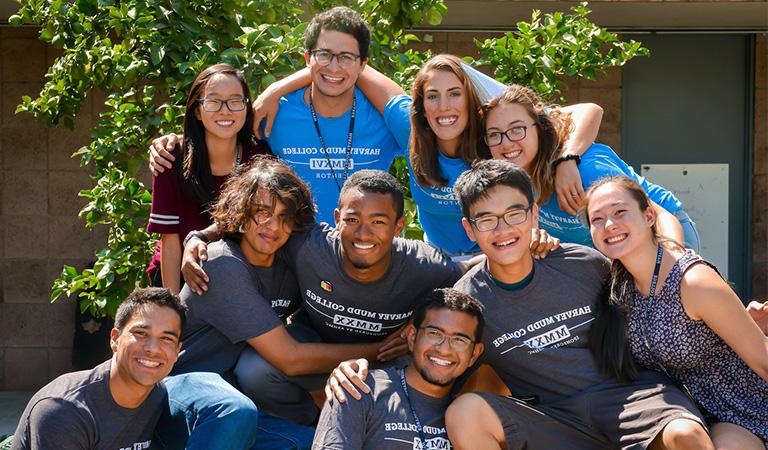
598 161
296 142
439 210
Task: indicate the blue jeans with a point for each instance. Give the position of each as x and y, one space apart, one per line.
279 434
690 233
205 412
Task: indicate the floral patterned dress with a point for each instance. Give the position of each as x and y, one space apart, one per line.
724 386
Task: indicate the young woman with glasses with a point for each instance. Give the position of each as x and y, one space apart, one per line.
520 128
218 137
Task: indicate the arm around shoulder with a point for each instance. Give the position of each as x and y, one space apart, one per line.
706 296
342 426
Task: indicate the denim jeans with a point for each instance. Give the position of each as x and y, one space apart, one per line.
690 233
279 434
205 412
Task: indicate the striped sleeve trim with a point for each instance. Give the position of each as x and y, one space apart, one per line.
161 219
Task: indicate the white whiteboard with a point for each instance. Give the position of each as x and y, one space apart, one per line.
703 189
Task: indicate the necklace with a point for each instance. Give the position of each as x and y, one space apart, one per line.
416 420
348 153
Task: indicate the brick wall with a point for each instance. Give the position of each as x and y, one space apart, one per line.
38 219
40 230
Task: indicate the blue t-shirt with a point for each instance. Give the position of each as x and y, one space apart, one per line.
598 161
295 141
439 210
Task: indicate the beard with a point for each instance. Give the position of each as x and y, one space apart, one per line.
432 380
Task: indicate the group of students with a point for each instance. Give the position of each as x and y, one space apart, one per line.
640 344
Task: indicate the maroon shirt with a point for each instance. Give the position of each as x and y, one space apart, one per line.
176 212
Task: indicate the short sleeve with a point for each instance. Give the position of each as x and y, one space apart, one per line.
166 199
342 426
55 424
233 303
397 116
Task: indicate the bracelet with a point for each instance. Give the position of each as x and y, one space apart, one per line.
194 234
557 162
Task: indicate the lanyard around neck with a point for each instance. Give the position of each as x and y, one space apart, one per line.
348 153
419 428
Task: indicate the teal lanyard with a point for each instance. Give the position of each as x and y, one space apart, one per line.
419 428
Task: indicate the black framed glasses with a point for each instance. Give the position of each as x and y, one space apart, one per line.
514 134
344 59
490 222
435 336
215 105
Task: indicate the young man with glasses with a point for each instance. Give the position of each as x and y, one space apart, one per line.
329 130
406 405
539 316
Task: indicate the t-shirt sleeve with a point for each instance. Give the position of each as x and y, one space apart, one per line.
342 426
600 162
397 116
444 271
55 424
166 198
233 303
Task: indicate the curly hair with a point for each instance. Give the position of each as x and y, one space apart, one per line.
233 210
423 145
554 127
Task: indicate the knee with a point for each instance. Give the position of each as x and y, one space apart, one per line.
684 434
462 417
253 373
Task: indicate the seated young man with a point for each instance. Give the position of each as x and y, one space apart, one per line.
537 338
359 284
116 404
407 404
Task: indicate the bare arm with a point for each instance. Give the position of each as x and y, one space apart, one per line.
170 261
297 358
586 119
667 224
267 103
707 297
378 88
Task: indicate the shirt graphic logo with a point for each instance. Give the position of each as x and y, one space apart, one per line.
336 163
326 286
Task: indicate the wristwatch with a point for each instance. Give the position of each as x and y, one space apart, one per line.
195 234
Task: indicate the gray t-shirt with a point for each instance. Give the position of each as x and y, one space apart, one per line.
383 419
536 338
343 310
76 411
242 302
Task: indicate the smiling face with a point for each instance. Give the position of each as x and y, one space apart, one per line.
145 350
510 115
445 108
224 124
367 223
267 230
617 224
440 364
508 246
333 80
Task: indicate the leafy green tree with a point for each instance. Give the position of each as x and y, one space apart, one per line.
145 53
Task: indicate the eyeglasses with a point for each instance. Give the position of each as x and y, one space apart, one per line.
491 222
214 105
435 336
344 59
514 134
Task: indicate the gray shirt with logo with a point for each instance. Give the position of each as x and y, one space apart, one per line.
383 419
76 411
343 310
242 302
536 338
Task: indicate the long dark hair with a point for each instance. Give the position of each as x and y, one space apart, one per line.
194 172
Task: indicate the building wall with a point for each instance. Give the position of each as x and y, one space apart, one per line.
40 230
